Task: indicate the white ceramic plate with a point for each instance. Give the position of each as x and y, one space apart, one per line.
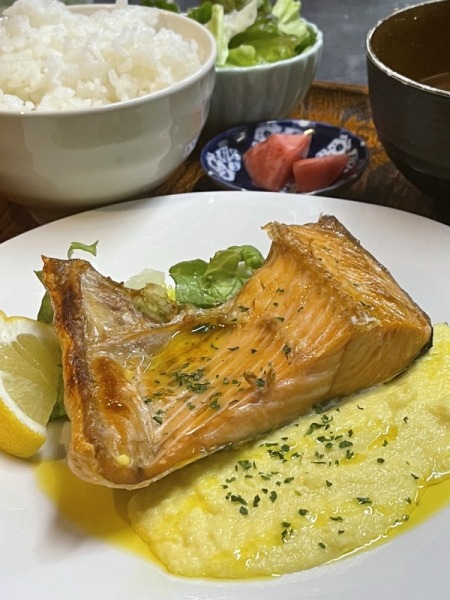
45 557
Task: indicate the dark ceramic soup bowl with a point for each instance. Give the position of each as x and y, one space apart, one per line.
408 67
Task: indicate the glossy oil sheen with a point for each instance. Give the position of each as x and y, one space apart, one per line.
97 510
102 512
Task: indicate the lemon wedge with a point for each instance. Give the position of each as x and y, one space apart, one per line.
30 358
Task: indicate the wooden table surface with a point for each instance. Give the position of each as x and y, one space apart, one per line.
344 105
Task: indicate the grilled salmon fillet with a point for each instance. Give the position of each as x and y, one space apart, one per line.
321 319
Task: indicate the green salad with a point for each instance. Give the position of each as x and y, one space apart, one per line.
250 32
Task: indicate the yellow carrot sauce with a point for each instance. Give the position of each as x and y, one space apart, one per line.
333 482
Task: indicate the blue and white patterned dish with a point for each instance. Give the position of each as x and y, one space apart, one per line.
221 157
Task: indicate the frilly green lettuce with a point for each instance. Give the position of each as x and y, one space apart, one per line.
289 21
208 284
225 25
254 32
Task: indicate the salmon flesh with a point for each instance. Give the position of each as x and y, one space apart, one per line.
321 319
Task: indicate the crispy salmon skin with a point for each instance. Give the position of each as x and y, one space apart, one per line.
321 319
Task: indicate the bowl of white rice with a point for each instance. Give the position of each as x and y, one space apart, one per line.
98 103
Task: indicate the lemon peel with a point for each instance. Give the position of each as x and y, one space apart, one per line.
30 358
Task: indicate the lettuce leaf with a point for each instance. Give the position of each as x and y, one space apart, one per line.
289 21
252 32
59 410
229 6
45 314
163 4
216 25
202 14
208 284
264 36
225 25
243 56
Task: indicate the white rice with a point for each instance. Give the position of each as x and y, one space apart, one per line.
54 59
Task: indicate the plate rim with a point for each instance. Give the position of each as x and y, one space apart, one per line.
228 590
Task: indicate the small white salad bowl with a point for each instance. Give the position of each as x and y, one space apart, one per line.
264 92
60 163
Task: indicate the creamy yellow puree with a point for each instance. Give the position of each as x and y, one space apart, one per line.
332 482
318 495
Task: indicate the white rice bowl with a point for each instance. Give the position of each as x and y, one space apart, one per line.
54 59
